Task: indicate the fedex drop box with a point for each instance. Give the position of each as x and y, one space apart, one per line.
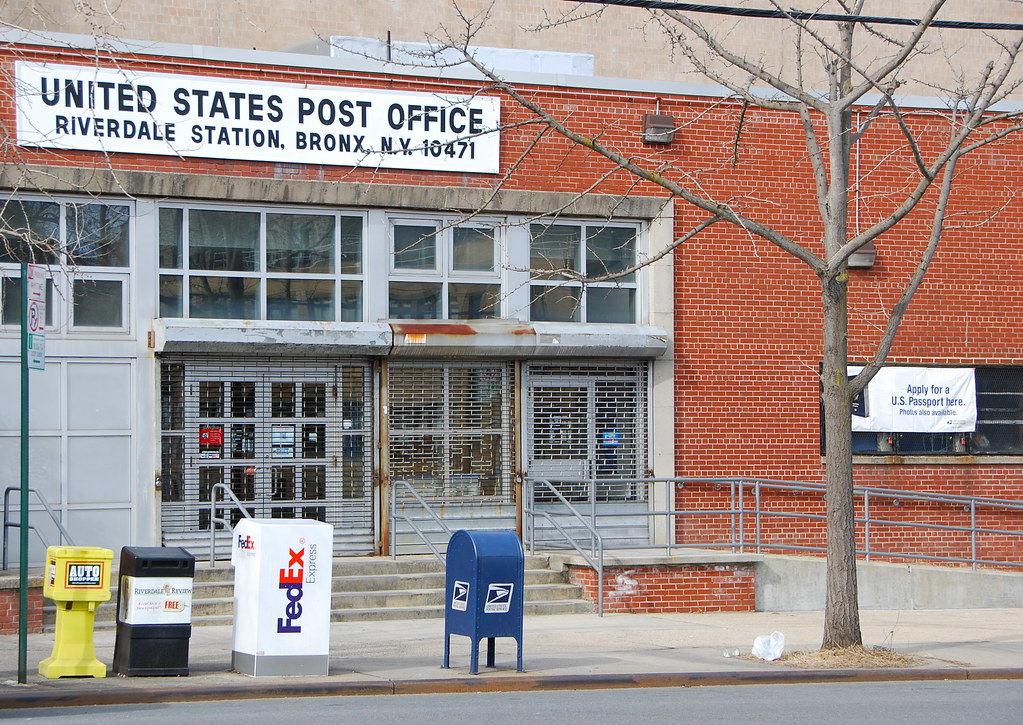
282 578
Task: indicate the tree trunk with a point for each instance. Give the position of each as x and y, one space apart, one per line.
841 609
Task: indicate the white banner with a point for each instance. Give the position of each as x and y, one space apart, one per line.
156 600
918 400
117 110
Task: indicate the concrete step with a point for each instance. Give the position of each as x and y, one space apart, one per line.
366 588
362 565
535 594
563 606
372 582
426 580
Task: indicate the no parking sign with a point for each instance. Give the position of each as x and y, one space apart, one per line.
36 316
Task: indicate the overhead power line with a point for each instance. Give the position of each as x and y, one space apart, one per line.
803 15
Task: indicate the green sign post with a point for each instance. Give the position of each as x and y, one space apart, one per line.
33 345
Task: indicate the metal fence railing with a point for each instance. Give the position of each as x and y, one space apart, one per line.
403 490
225 521
750 505
544 489
16 524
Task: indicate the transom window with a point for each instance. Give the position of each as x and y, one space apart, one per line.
272 265
599 254
443 272
314 264
86 248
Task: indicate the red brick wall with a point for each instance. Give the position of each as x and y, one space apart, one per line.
797 519
747 325
678 588
10 614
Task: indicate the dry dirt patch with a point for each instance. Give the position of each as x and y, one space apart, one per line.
847 658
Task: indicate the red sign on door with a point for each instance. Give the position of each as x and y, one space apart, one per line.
211 436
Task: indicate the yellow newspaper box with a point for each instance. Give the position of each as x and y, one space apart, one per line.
77 579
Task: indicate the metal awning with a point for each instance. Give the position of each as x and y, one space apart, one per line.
411 338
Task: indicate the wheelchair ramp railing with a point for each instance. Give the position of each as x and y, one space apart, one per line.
758 515
590 546
9 523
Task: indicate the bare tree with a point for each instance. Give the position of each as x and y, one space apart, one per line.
831 69
818 72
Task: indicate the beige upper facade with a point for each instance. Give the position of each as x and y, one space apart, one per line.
624 42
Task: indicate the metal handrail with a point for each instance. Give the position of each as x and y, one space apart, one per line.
427 509
747 499
8 523
596 557
214 519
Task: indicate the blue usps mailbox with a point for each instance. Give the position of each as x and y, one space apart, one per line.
483 593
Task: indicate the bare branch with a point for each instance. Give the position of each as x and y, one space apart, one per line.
898 311
719 210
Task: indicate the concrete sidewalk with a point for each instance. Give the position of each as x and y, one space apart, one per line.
573 651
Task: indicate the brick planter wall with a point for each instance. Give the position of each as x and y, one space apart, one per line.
9 606
671 588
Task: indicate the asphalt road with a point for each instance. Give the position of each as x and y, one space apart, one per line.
991 702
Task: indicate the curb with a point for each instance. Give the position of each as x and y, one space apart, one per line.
501 683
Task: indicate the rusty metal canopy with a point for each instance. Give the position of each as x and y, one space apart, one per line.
411 338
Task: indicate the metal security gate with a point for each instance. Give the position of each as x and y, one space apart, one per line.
586 432
293 439
588 422
450 429
450 440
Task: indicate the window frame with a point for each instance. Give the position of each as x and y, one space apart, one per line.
340 282
98 277
64 271
541 283
443 275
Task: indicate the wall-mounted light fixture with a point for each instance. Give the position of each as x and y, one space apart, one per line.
864 256
658 128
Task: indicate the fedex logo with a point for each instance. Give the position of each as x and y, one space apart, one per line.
290 581
246 543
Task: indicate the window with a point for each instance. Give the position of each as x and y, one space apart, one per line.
97 302
999 429
31 231
558 252
444 272
10 301
251 265
87 249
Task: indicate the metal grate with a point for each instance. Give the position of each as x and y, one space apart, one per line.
450 429
588 422
293 439
999 411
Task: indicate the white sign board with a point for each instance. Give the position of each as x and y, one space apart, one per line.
282 583
499 598
122 111
919 400
36 316
460 596
36 352
155 600
36 283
